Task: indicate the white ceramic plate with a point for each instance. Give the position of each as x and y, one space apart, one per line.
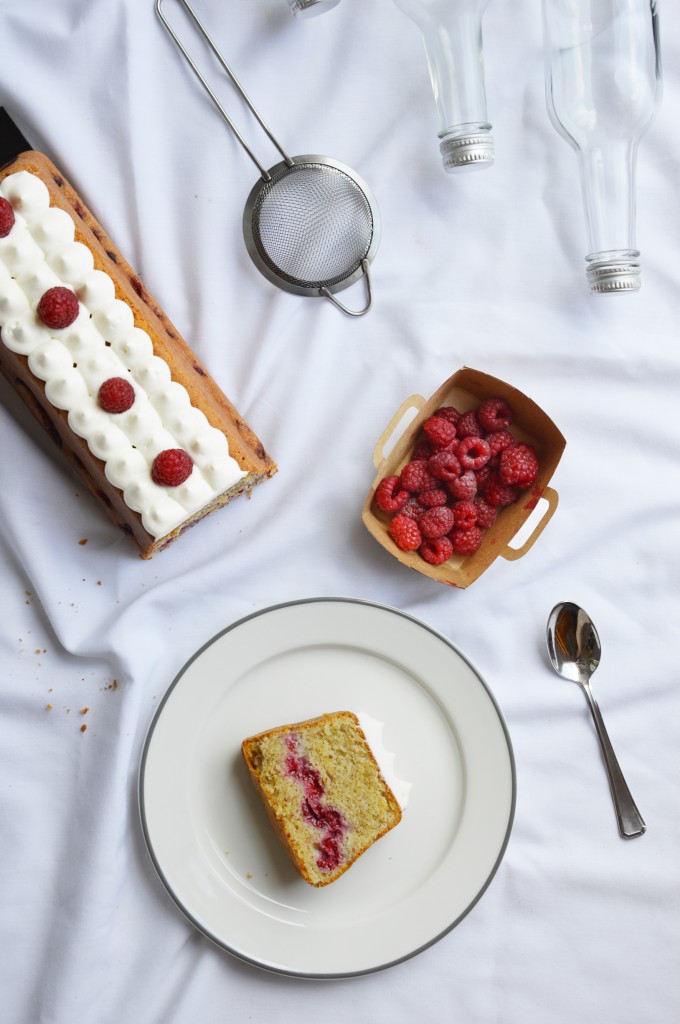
435 729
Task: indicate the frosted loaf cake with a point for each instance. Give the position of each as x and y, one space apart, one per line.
105 372
323 792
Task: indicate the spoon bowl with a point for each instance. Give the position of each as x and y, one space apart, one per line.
573 642
574 649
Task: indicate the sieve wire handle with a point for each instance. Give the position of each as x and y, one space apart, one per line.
369 294
190 11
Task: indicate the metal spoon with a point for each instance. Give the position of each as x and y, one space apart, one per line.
574 649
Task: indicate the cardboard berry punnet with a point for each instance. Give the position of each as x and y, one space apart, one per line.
531 425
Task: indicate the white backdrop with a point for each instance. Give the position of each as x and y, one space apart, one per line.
483 270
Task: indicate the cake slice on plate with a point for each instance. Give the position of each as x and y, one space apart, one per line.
323 791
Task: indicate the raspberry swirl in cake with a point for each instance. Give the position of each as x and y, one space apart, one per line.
39 256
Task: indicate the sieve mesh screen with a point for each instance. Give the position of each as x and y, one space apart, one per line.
312 225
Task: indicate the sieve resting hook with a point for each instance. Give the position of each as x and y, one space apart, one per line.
369 294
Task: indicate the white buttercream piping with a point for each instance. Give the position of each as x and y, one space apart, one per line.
40 253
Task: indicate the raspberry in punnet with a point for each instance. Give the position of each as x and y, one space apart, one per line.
390 496
465 487
486 514
6 217
464 515
439 431
437 551
116 395
422 451
497 493
405 533
413 509
415 477
171 467
472 452
444 465
431 499
447 412
494 414
468 425
436 522
466 542
518 466
499 441
58 308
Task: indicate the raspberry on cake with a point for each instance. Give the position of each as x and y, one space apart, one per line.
323 791
6 217
58 308
116 395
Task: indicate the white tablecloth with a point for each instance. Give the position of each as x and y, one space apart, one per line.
485 270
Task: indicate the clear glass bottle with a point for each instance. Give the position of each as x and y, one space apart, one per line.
308 8
603 86
452 34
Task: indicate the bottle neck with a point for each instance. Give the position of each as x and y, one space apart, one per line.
608 183
608 186
452 35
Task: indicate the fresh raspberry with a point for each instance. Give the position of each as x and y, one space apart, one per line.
439 431
405 533
171 467
473 452
390 496
466 542
6 217
468 426
518 466
465 487
422 451
433 498
444 466
413 509
483 476
497 493
58 308
447 412
494 414
116 395
436 551
499 441
436 522
464 515
486 514
416 477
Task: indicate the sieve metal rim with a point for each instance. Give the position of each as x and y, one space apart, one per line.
253 252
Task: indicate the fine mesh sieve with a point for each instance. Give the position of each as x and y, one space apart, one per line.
311 224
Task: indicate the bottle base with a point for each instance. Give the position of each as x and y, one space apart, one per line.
614 272
467 149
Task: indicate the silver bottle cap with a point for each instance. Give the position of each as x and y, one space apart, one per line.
614 275
310 7
467 150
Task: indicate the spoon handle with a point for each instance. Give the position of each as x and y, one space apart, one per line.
629 819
